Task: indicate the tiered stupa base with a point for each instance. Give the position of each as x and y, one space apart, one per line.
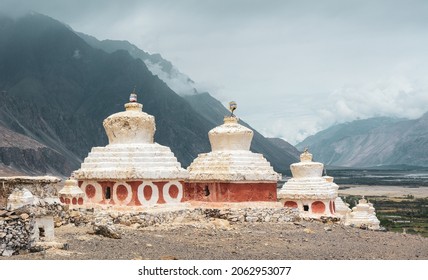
231 176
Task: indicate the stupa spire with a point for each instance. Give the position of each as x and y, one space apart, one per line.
133 96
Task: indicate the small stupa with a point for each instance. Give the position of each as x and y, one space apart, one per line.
132 170
18 198
310 192
231 172
363 215
342 209
71 194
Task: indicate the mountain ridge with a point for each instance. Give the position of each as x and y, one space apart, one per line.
372 142
57 89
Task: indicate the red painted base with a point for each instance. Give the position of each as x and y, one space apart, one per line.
132 193
230 192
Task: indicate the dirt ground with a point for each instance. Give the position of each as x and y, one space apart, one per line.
218 239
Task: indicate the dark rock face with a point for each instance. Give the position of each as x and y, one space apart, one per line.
372 142
29 156
57 89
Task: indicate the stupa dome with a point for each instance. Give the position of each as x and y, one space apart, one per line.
131 126
306 168
230 136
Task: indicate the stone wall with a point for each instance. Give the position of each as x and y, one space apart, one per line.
16 231
18 228
144 219
40 187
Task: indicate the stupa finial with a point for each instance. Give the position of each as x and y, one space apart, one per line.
306 156
232 107
133 96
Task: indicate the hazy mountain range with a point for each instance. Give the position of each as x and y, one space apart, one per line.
372 142
57 88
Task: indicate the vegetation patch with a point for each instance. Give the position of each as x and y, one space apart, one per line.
405 214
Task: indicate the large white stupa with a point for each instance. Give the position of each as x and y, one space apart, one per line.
132 169
231 172
313 194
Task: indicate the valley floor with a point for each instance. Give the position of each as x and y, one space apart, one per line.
218 239
388 191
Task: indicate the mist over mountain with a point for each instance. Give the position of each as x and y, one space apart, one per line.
280 153
164 69
372 142
56 89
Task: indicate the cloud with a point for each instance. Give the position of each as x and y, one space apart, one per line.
175 80
395 97
294 67
399 97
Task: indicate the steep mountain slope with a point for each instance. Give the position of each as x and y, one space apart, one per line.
372 142
284 145
164 69
57 90
20 154
280 156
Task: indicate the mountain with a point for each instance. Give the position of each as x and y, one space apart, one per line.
279 154
20 155
284 145
56 89
372 142
164 69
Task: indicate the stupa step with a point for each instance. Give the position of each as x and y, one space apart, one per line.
130 159
129 147
128 165
127 154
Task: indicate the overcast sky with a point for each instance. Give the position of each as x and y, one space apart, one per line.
293 67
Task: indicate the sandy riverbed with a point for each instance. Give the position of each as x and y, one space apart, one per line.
389 191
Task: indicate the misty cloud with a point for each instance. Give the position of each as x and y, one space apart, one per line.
175 80
294 67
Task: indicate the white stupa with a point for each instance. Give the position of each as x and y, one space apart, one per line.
231 172
342 209
132 169
363 214
308 190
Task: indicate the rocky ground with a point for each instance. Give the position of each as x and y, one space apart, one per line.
219 239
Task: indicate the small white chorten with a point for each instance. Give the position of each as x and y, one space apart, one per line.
19 198
132 169
71 194
363 214
231 172
308 190
342 209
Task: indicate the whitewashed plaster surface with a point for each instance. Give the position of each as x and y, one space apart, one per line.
231 158
131 152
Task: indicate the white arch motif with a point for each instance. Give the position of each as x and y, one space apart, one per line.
165 192
98 191
128 197
155 194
